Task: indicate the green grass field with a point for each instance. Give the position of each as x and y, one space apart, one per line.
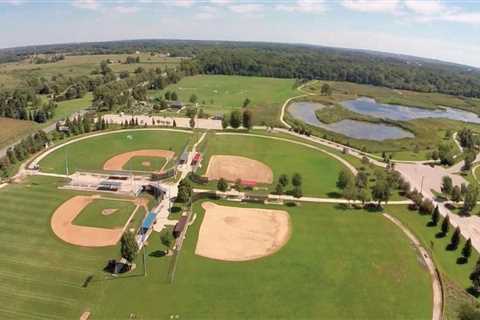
91 154
139 164
222 94
42 276
68 107
319 170
92 215
337 264
454 274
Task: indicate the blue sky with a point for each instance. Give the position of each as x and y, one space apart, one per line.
441 29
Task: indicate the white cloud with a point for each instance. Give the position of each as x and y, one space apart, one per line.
426 7
125 9
206 13
246 8
304 6
221 2
390 6
86 4
14 2
182 3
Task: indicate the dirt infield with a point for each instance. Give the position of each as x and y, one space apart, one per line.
232 168
241 234
120 160
62 226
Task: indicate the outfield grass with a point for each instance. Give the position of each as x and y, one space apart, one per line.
12 129
336 265
91 154
137 164
319 171
92 216
41 275
222 94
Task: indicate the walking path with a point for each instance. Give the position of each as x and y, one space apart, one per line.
436 282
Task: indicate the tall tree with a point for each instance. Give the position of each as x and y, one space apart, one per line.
447 186
467 249
247 121
435 216
445 225
129 246
455 240
235 119
344 177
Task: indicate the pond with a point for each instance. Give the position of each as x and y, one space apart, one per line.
305 111
370 107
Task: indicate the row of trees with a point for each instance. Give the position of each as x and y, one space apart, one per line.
469 194
237 119
21 151
283 183
357 187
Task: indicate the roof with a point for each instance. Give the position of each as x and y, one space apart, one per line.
184 156
149 220
249 183
180 224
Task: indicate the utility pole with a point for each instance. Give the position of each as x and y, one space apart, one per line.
421 185
66 160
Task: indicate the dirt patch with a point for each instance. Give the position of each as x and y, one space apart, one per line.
120 160
241 234
232 168
107 212
62 225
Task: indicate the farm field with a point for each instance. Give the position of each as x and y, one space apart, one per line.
315 275
12 74
222 94
102 213
91 154
319 170
12 129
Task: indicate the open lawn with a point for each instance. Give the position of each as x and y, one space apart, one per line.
91 154
454 274
102 213
12 129
222 94
68 107
145 164
319 171
336 265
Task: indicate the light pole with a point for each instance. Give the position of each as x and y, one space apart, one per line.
421 185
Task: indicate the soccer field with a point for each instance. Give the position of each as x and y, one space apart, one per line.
222 94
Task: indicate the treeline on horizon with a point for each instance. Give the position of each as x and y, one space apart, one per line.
290 61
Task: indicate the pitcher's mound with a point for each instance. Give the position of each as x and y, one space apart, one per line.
241 234
232 168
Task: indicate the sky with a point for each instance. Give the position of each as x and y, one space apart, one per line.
439 29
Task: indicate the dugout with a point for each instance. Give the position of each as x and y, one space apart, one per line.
177 230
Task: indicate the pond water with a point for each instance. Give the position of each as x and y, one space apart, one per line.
305 111
370 107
